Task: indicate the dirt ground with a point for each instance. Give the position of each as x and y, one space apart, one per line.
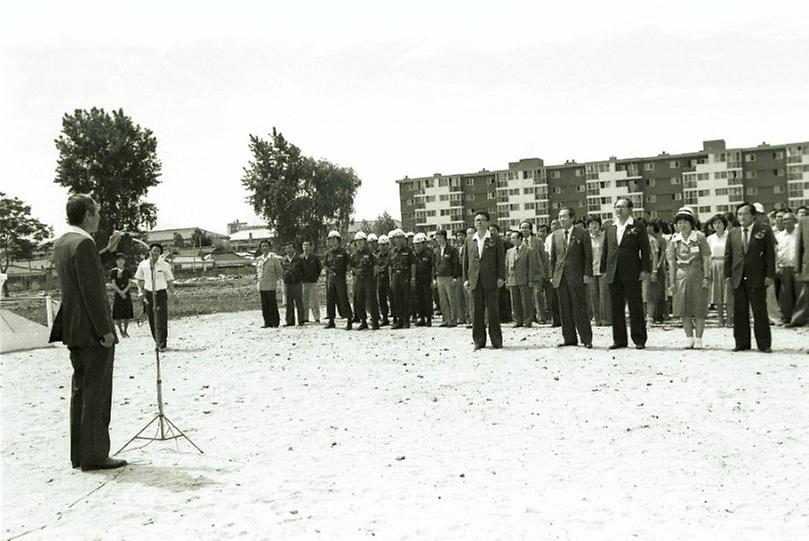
317 434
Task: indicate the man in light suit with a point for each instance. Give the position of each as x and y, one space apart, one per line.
572 267
521 275
484 273
540 273
84 325
626 260
750 267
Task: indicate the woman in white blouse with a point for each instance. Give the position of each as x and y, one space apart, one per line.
719 290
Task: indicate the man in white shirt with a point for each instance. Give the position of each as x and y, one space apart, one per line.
155 301
786 261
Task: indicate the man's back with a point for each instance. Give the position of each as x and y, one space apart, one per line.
84 315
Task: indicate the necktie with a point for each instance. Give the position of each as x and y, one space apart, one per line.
566 232
745 239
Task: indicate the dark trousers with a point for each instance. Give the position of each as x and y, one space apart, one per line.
790 288
401 295
552 304
423 296
269 308
385 295
486 304
747 298
661 307
337 295
504 301
90 404
623 293
573 311
365 298
160 313
294 303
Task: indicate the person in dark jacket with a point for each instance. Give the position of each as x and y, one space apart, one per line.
293 285
402 278
750 268
484 273
336 290
423 284
626 260
84 324
311 269
362 266
382 274
446 271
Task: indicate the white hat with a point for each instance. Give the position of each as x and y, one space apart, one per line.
359 235
410 234
391 233
419 237
397 233
371 237
383 239
334 234
759 207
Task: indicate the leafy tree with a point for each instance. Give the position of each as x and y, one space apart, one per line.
298 196
365 227
114 160
18 232
384 224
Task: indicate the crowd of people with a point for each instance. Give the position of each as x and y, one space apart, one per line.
572 273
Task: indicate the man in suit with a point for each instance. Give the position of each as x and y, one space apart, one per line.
84 324
572 266
800 313
484 272
626 260
336 264
750 267
540 270
293 286
311 269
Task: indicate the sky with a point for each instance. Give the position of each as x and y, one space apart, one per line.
413 89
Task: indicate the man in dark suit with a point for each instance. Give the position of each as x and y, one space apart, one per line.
484 273
293 285
572 267
750 267
84 325
626 260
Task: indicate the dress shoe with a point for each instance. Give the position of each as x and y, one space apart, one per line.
765 350
517 325
330 324
617 346
428 323
789 325
451 325
640 346
396 326
108 464
478 346
739 348
420 323
565 344
348 325
363 326
374 326
497 346
588 346
385 322
406 325
265 326
289 324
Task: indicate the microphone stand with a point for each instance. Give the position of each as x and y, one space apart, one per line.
167 429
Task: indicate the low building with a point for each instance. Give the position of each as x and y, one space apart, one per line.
192 236
248 240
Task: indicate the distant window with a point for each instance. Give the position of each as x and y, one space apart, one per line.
554 174
649 166
752 190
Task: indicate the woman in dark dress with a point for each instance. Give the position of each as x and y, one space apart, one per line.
122 303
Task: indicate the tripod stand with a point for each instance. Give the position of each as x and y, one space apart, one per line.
166 428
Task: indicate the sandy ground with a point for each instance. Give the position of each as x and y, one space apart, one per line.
320 434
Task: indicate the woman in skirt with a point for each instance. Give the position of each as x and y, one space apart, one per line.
720 289
121 279
689 267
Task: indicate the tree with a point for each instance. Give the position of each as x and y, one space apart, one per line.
298 196
384 224
115 161
18 232
365 227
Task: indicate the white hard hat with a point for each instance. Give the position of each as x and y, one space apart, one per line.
359 235
372 237
334 234
383 239
397 233
419 237
410 234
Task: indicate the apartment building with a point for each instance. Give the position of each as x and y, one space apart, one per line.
714 179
